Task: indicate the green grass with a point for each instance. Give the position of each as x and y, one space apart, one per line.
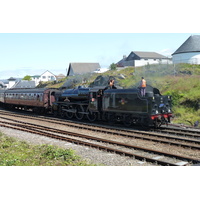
185 115
19 153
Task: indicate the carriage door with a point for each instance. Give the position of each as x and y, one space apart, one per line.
52 98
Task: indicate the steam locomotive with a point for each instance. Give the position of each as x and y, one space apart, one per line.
112 105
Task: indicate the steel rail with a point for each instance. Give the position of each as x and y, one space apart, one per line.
139 133
193 134
100 147
115 143
74 124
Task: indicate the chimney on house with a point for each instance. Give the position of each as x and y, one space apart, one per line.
124 57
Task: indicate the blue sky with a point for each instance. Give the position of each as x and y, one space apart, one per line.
41 35
33 53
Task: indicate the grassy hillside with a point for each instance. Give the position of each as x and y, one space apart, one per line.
181 81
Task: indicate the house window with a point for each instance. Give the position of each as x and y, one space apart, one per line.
44 77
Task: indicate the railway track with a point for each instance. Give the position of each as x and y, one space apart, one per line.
155 136
181 132
109 145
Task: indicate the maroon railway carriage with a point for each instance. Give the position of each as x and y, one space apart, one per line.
39 100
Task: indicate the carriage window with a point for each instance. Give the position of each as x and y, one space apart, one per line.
41 96
21 96
26 96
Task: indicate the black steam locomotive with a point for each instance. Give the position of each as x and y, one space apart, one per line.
112 105
94 103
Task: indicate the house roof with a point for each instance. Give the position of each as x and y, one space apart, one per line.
82 68
35 76
47 71
60 76
12 79
192 44
145 54
24 84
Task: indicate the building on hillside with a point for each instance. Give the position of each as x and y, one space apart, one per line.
188 52
46 76
24 84
60 76
11 82
36 78
82 68
124 63
142 58
19 83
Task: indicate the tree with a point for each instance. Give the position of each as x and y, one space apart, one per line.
113 66
27 77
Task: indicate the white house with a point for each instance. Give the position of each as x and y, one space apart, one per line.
46 76
142 58
188 52
11 82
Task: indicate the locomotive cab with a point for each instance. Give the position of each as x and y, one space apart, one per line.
95 99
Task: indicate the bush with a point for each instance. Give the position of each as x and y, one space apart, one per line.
18 153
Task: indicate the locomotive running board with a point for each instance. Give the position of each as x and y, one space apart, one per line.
74 111
70 110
